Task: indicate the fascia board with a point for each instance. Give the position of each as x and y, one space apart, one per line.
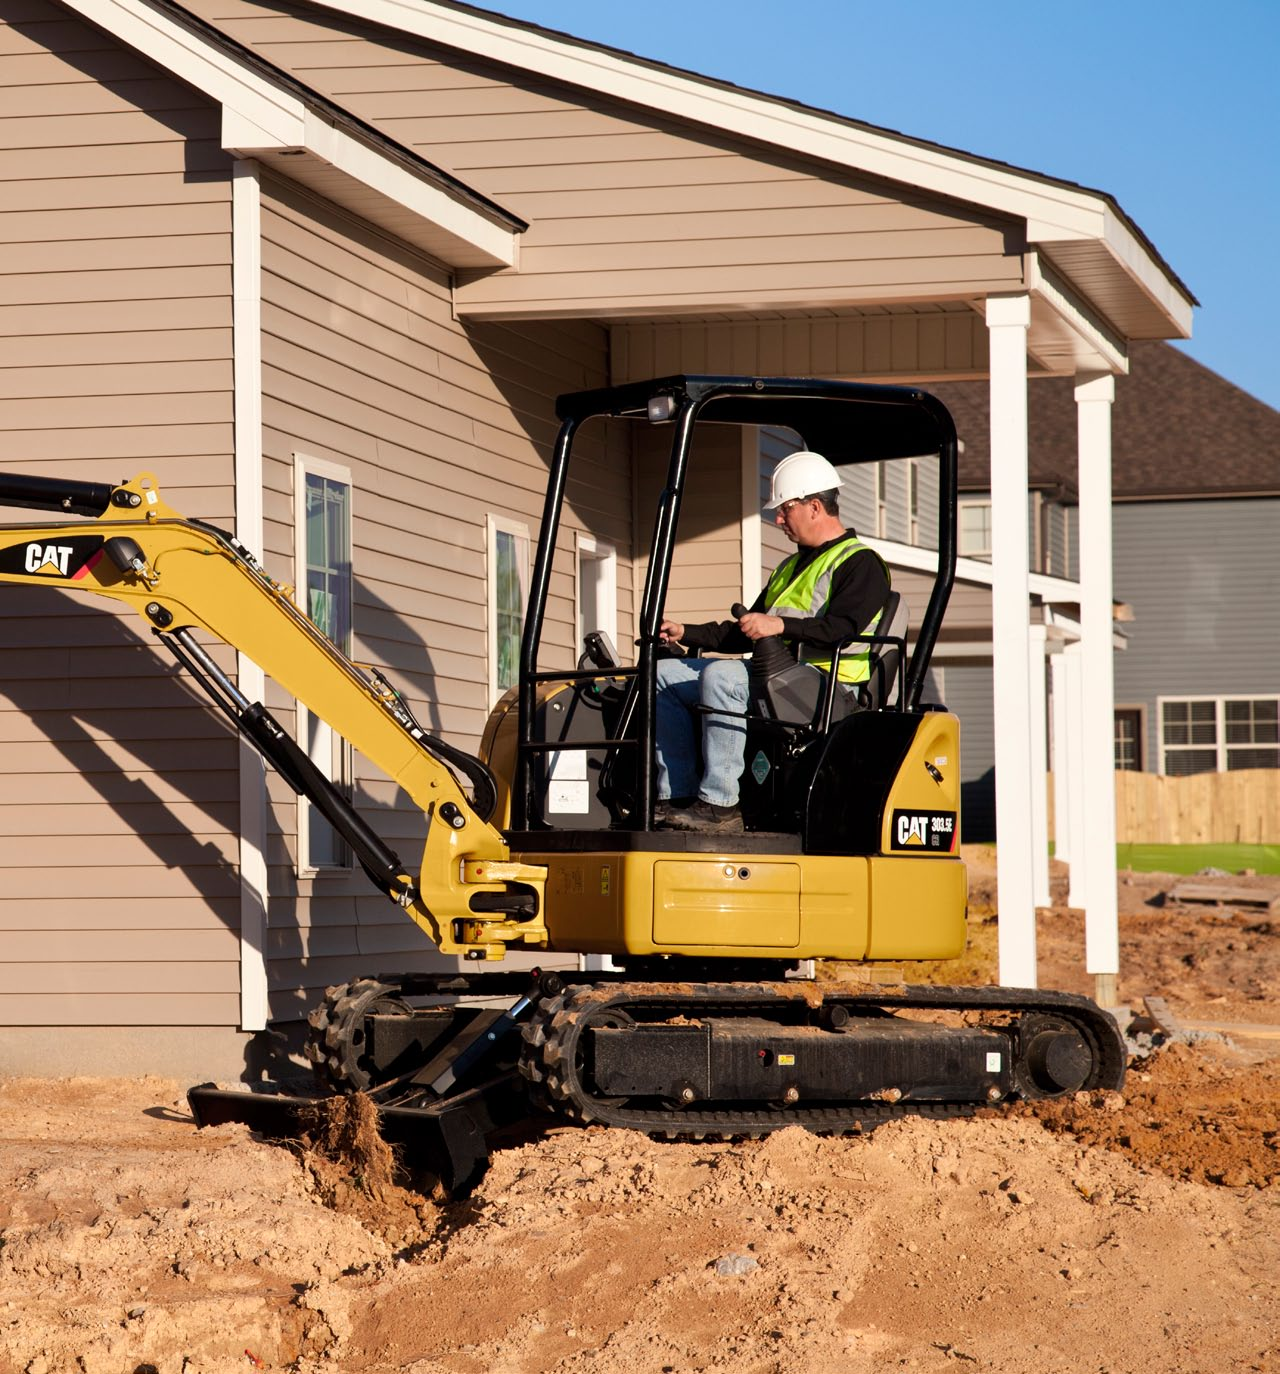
1070 629
491 244
1125 247
926 560
242 137
259 118
947 649
1052 211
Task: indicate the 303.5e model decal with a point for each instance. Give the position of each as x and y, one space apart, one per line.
924 830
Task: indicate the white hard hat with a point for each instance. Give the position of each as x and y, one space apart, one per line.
800 475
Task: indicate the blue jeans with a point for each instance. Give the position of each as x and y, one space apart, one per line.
684 684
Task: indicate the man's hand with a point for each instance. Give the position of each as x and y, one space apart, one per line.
670 632
758 625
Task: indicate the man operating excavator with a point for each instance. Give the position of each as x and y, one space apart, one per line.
831 588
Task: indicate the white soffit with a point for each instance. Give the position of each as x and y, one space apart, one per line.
1066 335
261 119
1053 212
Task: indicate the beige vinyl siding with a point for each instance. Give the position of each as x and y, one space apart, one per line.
706 569
439 424
628 211
776 443
119 898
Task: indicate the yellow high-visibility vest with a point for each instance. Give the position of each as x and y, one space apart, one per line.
807 593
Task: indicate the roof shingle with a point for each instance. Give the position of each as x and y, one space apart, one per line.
1178 430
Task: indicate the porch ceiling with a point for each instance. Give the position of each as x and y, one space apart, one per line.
893 341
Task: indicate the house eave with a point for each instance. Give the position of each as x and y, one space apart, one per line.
272 118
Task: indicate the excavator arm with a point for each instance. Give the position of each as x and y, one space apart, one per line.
184 576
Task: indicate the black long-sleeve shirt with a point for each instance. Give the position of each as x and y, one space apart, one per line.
859 589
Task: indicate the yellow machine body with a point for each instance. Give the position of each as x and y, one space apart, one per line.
906 902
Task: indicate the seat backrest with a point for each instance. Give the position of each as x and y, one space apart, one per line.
881 687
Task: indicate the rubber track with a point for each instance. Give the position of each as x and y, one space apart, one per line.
550 1061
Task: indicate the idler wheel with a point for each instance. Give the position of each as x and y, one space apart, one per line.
1054 1058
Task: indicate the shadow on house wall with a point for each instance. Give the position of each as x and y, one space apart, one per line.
130 723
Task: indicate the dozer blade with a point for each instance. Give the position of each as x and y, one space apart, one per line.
449 1138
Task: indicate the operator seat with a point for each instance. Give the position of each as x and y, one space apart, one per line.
792 693
881 687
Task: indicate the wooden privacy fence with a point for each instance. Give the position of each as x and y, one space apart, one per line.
1206 808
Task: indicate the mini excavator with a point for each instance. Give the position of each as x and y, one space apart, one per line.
702 1022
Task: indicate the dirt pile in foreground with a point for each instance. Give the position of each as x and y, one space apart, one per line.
1192 1112
1132 1236
133 1242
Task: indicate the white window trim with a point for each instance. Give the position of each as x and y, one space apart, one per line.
983 554
1220 746
494 525
304 464
589 548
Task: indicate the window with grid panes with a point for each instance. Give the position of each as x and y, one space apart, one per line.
508 577
1128 739
974 536
326 548
1252 733
1219 734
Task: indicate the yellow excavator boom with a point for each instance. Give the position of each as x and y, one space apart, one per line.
183 576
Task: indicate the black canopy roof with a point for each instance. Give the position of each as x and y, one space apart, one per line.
866 424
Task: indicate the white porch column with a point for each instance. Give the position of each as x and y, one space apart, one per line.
1073 763
1038 757
1058 669
246 271
752 556
1008 318
1094 395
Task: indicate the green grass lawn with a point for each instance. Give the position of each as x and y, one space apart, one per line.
1191 858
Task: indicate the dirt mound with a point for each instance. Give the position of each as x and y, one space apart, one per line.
1192 1113
985 1242
1128 1234
130 1239
133 1242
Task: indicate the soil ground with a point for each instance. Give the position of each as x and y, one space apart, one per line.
1134 1235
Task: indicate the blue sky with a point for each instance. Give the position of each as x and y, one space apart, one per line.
1170 106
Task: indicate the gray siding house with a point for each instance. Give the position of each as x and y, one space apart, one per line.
1196 525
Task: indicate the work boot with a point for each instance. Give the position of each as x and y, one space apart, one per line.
665 808
707 819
